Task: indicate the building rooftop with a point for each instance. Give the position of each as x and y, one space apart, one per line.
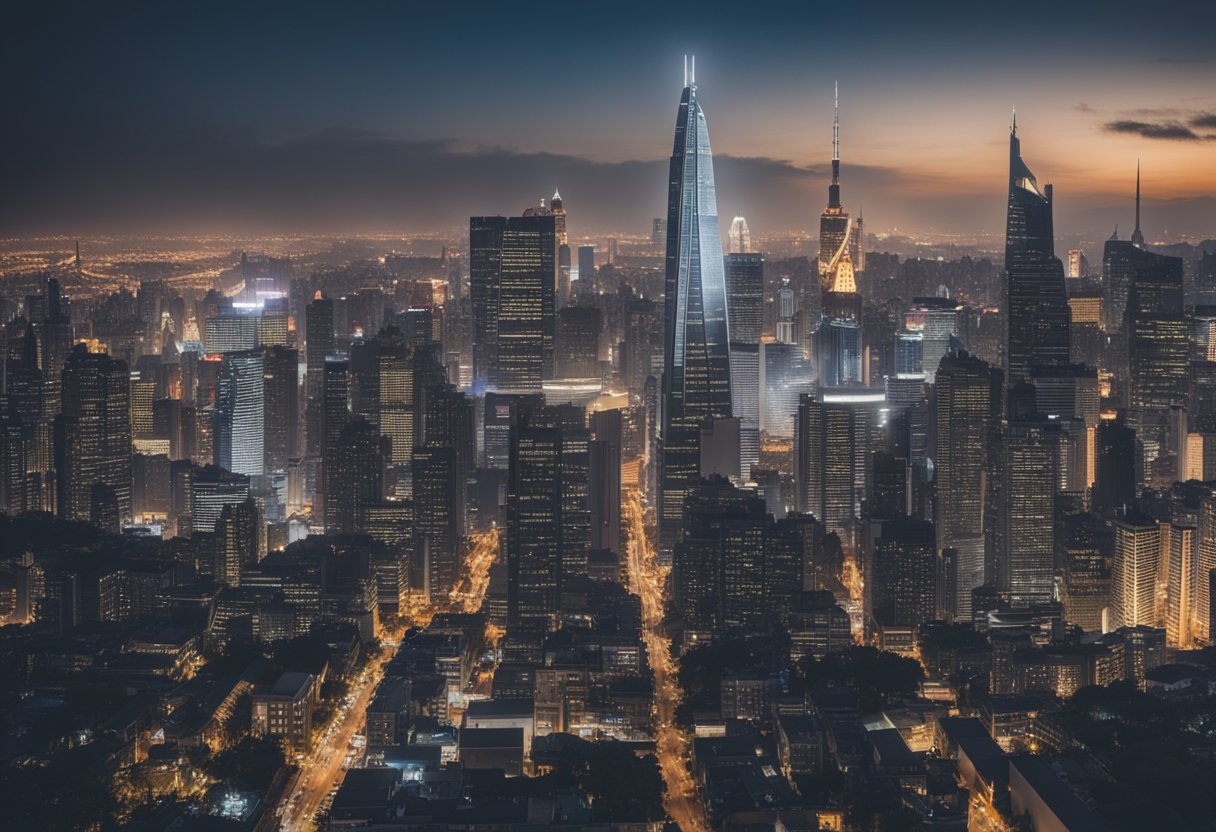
491 738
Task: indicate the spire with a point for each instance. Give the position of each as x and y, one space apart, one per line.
836 124
557 197
1013 123
834 189
1137 237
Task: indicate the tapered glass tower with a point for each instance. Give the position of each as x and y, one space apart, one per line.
1037 312
696 377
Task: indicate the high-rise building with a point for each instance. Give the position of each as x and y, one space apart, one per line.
838 338
905 573
936 319
696 377
578 342
1085 589
442 464
93 437
1158 337
1037 303
236 541
281 397
357 477
586 265
558 209
785 375
841 253
1179 547
319 332
335 413
966 403
239 431
832 440
717 577
1134 571
658 232
1115 466
745 313
534 521
208 490
740 236
1028 511
604 486
512 274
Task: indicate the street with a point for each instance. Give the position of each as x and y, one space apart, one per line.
647 580
322 770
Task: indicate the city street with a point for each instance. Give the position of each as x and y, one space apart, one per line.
322 770
647 580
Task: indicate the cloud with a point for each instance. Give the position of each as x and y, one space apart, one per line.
1168 130
1082 107
348 180
1204 120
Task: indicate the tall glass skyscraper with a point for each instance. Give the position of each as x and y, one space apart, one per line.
240 413
696 377
1037 312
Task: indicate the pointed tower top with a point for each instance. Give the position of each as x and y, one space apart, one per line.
557 197
836 124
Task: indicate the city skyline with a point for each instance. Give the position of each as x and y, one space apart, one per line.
349 481
276 122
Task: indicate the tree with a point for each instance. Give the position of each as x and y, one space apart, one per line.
877 677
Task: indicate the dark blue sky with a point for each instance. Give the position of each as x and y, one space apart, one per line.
409 115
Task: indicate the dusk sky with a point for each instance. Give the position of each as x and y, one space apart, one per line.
411 117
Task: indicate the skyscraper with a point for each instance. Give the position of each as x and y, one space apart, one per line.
745 313
905 575
93 436
841 254
838 339
562 241
1158 338
335 413
240 414
1134 571
696 377
512 273
832 437
1037 310
1028 492
966 399
281 390
319 330
604 486
740 236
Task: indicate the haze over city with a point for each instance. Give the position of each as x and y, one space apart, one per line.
292 118
412 421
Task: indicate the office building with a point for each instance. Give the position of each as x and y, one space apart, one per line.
1134 571
1037 304
93 438
239 417
696 376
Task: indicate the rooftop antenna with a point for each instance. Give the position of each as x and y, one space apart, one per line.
836 125
692 77
686 70
1013 125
